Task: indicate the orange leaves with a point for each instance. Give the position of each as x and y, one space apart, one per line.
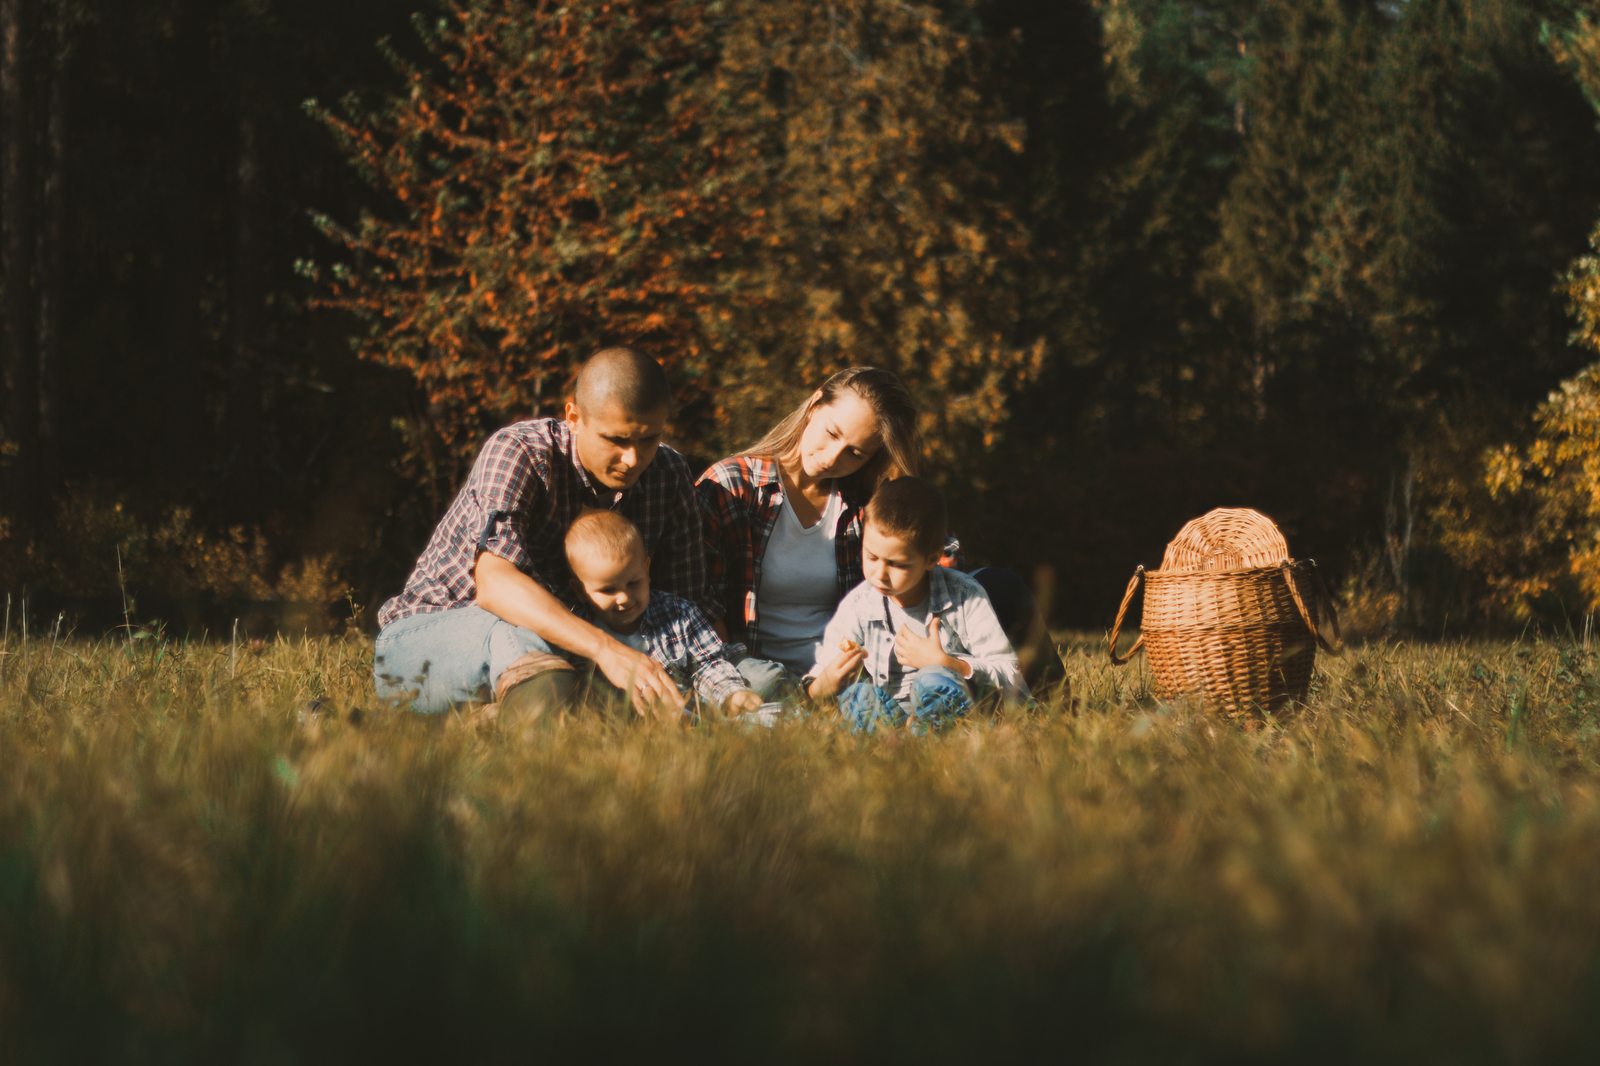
623 172
540 194
882 236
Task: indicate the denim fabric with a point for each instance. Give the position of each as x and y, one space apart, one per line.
772 681
438 658
967 622
938 697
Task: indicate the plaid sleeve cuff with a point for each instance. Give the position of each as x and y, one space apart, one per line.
500 537
717 680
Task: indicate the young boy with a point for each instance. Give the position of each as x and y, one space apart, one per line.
924 634
611 576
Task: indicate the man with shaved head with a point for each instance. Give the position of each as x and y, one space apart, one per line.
488 608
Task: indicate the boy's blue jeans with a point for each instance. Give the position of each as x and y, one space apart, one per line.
938 696
438 658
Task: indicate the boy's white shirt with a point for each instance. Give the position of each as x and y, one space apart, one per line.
968 627
634 640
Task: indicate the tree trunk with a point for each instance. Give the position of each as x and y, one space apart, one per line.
16 272
52 267
245 314
190 441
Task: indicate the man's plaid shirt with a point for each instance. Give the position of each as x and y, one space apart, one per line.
740 501
678 635
525 489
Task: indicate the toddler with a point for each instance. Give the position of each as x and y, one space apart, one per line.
611 574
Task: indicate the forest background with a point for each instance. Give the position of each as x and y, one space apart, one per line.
268 283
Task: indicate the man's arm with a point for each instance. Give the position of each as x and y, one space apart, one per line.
508 593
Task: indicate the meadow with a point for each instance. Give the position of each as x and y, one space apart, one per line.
198 865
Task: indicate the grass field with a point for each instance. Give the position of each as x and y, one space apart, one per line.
189 872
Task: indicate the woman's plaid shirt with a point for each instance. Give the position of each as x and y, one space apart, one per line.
740 500
525 489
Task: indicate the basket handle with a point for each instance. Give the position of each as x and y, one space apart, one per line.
1116 627
1294 590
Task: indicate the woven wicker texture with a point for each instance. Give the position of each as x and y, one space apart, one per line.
1228 538
1235 638
1229 618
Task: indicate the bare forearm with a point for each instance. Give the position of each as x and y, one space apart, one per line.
508 593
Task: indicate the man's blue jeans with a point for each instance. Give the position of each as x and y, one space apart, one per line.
938 696
440 658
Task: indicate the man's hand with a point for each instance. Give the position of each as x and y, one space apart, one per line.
837 672
916 652
647 683
743 702
508 593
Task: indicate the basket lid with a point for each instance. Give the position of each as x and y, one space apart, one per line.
1228 538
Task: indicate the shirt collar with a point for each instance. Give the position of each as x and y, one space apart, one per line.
764 472
940 596
604 497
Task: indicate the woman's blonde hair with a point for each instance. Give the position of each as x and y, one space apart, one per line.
891 405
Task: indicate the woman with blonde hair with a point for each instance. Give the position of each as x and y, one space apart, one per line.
783 520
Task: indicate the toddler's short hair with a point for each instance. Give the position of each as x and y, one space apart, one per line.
604 533
911 509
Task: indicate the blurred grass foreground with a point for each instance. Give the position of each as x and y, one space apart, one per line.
193 870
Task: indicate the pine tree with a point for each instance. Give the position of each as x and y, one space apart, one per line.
1302 102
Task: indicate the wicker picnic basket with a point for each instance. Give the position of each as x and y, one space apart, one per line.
1230 618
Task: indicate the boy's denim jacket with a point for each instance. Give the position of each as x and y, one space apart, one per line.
967 625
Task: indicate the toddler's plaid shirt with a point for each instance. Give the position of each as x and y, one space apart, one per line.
741 499
525 489
678 635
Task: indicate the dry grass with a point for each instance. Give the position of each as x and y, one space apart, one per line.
190 872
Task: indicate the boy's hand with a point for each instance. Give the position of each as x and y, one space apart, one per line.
836 673
916 652
741 703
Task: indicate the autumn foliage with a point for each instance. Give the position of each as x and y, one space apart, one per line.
1535 534
757 200
552 190
890 238
1549 538
1135 259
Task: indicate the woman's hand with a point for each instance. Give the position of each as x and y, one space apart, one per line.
837 672
744 702
916 652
